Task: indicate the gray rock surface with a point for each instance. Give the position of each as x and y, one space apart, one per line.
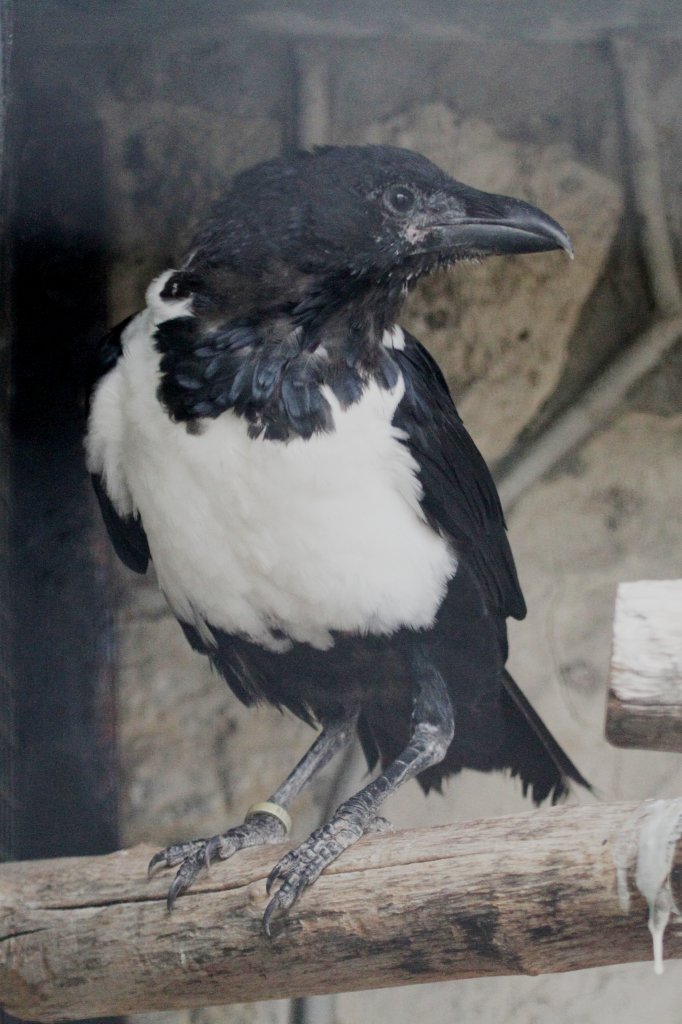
162 190
275 1012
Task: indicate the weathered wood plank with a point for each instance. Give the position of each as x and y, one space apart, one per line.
645 691
529 894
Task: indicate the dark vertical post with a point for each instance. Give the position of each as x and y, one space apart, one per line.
7 777
62 653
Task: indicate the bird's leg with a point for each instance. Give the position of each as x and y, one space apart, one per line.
267 822
432 731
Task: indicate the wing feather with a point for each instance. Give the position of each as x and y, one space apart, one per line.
126 532
459 495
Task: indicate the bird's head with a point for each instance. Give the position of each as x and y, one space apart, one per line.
365 215
301 271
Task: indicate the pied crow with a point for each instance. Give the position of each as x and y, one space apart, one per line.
319 520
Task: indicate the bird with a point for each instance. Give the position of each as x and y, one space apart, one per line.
322 525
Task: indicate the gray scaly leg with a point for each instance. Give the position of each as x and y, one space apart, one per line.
432 732
265 823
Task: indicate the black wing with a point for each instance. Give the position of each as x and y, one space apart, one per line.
460 498
126 533
103 356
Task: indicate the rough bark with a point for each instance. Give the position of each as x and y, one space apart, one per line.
518 895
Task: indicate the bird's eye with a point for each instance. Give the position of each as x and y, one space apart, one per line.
399 199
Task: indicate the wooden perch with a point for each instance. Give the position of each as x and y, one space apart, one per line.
645 693
519 895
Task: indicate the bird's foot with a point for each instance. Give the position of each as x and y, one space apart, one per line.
196 855
302 866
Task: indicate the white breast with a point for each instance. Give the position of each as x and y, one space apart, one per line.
251 536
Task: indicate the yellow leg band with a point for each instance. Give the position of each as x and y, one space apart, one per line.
267 807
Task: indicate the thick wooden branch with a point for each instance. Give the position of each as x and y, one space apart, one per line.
520 895
645 691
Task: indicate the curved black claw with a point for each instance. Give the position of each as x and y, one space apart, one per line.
196 856
299 868
189 871
173 855
283 900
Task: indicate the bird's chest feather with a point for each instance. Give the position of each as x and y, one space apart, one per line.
281 541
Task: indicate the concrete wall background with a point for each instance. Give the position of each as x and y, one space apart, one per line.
179 109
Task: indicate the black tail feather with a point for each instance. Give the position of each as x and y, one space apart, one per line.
531 751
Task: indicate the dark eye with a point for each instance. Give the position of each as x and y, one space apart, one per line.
399 199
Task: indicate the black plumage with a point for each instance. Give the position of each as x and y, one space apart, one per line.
284 316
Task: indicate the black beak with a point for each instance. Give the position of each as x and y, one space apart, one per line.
482 224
